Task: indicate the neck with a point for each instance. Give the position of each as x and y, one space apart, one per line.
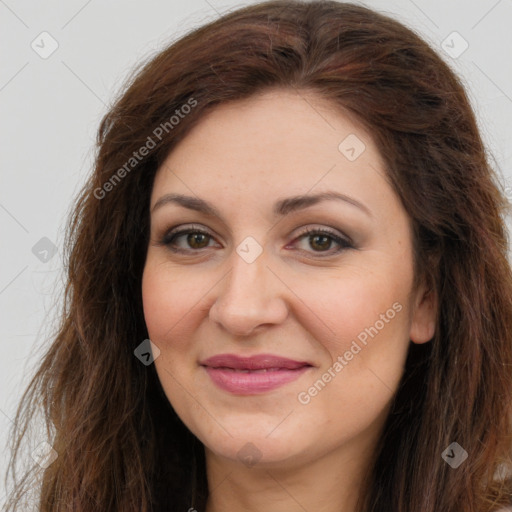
329 484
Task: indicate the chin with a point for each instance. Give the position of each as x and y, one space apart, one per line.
253 451
250 442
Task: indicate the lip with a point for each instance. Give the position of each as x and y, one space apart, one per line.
253 375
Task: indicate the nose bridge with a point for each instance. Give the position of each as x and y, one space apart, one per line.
248 281
249 293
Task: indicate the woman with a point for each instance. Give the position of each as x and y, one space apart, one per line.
288 283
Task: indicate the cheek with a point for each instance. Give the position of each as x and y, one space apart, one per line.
170 301
352 390
170 304
358 305
365 344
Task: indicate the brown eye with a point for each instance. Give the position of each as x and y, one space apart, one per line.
322 240
196 240
187 240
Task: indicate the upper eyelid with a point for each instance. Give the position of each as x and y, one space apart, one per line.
182 229
302 230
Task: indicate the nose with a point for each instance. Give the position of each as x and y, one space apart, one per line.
250 296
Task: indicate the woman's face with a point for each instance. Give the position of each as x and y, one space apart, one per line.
283 317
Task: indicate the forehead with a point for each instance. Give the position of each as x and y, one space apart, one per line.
274 144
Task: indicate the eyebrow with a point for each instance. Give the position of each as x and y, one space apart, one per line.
282 207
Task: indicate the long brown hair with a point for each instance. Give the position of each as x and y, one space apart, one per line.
120 444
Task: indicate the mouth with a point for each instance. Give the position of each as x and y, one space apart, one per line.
253 375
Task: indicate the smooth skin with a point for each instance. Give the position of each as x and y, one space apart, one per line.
305 297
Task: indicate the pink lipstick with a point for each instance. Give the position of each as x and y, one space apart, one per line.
253 375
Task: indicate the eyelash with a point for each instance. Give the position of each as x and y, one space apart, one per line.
170 237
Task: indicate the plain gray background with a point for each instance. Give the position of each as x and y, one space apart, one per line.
51 106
